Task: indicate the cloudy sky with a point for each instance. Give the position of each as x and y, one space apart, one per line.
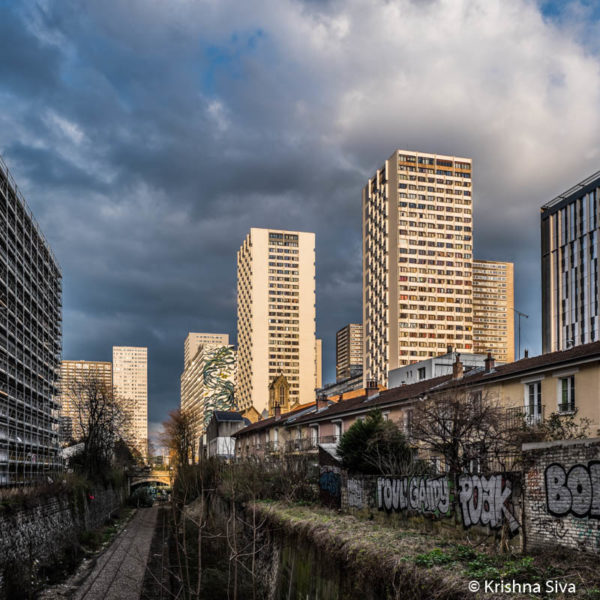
150 135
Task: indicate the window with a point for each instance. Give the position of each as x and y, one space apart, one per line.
422 373
566 400
337 430
314 434
533 402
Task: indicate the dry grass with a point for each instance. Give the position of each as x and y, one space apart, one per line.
416 564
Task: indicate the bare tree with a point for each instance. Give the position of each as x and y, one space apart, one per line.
463 427
178 437
101 420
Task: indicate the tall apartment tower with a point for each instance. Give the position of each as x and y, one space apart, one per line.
130 381
570 267
349 351
276 315
193 341
72 371
30 342
493 314
417 260
207 385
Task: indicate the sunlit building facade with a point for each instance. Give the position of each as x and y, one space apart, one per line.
276 316
72 372
193 341
493 314
130 381
208 385
417 260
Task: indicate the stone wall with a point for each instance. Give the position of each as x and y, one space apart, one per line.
562 494
39 534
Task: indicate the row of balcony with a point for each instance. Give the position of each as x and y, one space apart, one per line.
303 444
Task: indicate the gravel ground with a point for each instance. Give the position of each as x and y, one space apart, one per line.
119 571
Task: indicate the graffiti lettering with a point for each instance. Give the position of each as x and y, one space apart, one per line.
421 494
330 482
355 493
483 501
576 491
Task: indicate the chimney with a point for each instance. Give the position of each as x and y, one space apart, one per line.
372 388
322 401
457 368
277 412
489 363
526 355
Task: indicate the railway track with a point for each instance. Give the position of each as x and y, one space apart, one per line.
119 571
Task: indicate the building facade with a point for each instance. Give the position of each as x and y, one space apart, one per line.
417 260
130 381
30 342
348 351
318 364
276 315
207 385
430 368
493 309
72 371
570 226
193 341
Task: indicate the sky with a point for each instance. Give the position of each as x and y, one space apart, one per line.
149 136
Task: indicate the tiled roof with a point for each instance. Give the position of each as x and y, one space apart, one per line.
523 366
264 423
471 377
404 392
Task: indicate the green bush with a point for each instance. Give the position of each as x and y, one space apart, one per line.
375 447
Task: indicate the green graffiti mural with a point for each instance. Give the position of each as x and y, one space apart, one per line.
218 373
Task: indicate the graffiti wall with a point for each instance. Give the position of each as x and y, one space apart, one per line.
487 501
562 494
330 486
420 494
484 501
356 494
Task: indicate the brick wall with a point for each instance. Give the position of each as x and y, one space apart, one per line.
562 494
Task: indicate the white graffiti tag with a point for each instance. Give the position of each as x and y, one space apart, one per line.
421 494
576 491
483 501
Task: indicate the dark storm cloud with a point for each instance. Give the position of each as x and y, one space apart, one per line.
150 136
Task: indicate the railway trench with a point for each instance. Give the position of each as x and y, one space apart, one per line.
119 571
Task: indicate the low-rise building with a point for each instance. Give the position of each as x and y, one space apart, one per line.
433 367
529 390
219 432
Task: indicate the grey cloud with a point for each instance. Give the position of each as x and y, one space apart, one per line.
150 137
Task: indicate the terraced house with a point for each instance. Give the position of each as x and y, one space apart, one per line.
529 391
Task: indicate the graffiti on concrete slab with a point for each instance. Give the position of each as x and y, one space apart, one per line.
576 491
485 501
330 486
355 493
421 494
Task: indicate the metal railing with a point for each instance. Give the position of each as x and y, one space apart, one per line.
524 416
